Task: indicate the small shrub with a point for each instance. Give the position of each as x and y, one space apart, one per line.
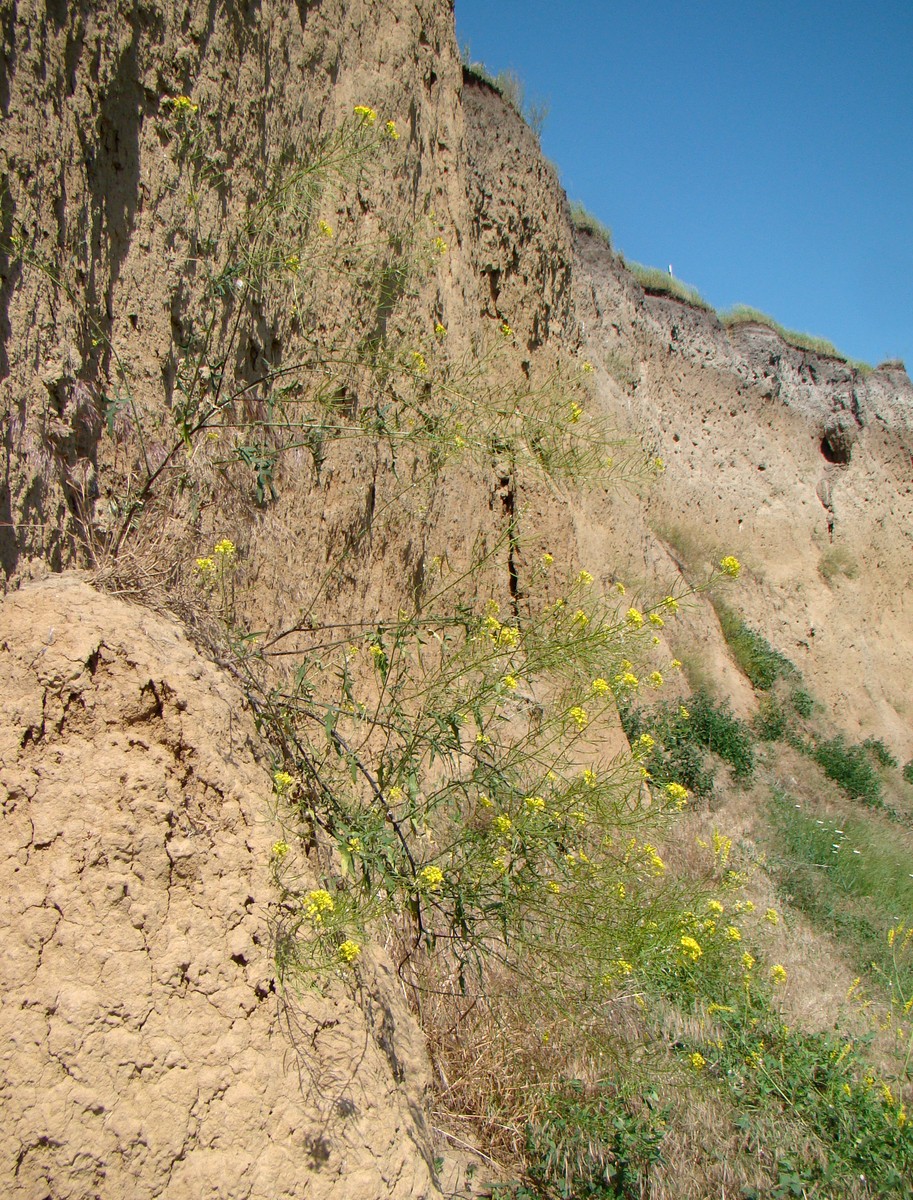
802 702
851 768
772 720
716 727
880 752
837 561
681 735
677 756
908 771
594 1145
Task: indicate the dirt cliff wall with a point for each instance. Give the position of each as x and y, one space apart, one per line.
797 463
150 1052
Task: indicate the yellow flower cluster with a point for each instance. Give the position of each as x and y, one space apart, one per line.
778 973
691 948
677 794
280 849
431 878
579 716
599 687
183 104
656 679
502 823
730 566
534 803
440 245
348 952
391 131
316 904
283 781
584 577
365 114
576 412
225 549
325 228
634 618
419 362
510 683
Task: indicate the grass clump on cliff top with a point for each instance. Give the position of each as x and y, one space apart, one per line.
660 283
744 314
582 218
511 88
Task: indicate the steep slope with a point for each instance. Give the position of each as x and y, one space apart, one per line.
428 287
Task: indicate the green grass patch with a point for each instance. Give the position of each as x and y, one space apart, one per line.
743 314
851 878
757 659
582 218
658 282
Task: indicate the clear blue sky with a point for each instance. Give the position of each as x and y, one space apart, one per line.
763 148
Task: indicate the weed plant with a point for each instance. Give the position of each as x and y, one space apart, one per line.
850 767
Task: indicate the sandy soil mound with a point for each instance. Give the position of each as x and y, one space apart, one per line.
147 1048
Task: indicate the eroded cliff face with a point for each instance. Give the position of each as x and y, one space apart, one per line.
151 1051
790 460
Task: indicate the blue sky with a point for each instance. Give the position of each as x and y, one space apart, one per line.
763 148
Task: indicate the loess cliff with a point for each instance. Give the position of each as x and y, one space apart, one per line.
148 1045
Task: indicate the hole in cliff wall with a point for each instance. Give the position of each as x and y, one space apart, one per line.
837 445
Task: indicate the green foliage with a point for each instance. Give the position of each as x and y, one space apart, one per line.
851 768
720 731
582 218
681 735
592 1144
802 701
815 1097
658 282
772 721
851 877
760 662
880 753
908 771
677 755
742 314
